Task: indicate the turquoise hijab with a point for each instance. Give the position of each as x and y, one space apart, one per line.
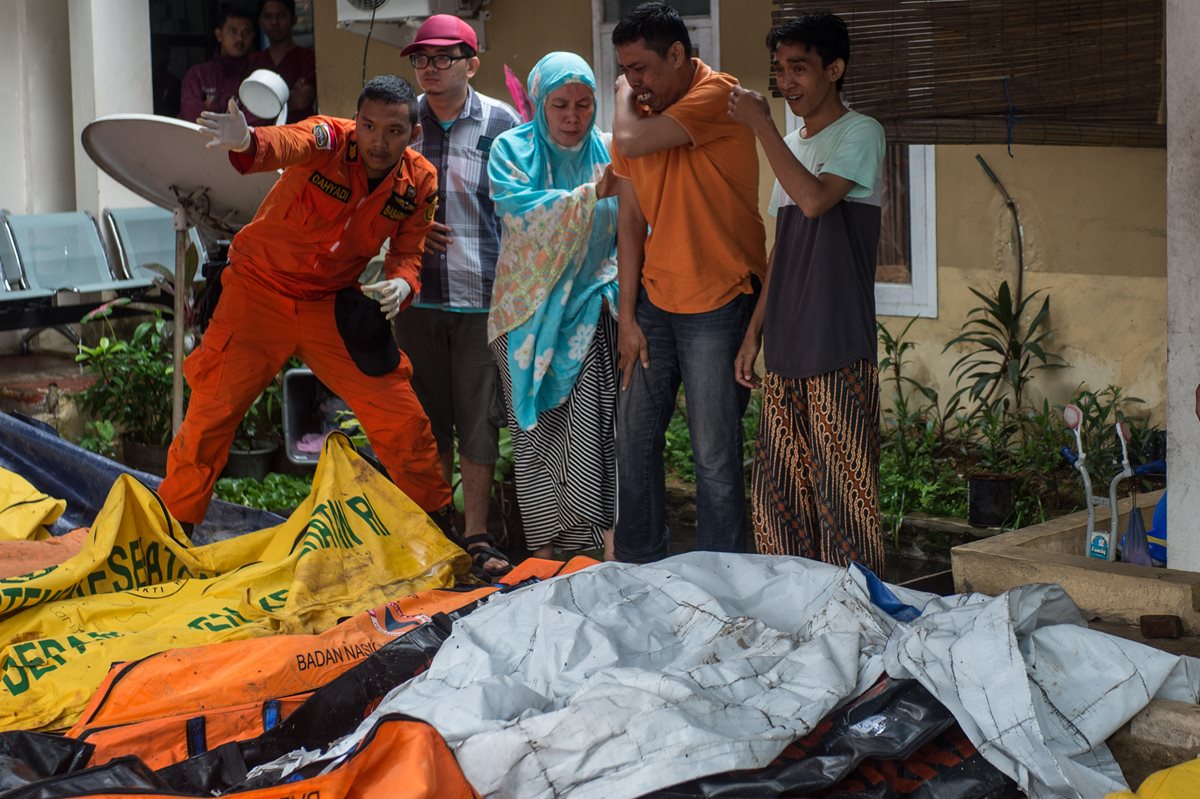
558 251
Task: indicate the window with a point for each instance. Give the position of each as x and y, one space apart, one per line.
906 274
701 19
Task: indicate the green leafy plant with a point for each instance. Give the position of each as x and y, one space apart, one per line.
677 446
996 438
903 418
134 379
1043 435
135 375
927 482
1003 351
277 492
750 421
261 426
100 436
1102 410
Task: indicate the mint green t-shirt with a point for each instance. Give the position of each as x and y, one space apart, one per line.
851 148
821 303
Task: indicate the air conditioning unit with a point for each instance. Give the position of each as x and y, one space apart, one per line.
395 22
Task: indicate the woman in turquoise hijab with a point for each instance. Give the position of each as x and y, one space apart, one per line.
552 326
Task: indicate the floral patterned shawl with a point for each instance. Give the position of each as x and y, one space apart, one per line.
558 251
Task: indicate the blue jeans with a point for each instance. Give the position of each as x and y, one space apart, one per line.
696 350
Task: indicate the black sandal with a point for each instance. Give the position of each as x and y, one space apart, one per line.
482 548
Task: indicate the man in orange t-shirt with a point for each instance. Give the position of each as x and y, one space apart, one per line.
291 287
687 286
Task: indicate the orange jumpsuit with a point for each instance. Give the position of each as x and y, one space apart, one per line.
313 235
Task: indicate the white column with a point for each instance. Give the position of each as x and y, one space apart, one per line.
37 171
1183 282
110 74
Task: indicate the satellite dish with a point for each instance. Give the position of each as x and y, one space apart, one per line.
165 160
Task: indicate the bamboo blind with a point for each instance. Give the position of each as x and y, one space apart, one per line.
1074 72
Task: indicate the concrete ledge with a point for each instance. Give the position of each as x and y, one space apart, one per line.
1164 734
1054 552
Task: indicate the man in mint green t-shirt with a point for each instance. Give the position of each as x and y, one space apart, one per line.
815 486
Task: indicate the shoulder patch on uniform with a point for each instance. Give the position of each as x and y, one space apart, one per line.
431 206
322 136
398 206
352 151
335 190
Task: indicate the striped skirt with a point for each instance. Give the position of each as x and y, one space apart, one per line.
565 468
815 483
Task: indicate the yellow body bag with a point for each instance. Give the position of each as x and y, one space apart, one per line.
138 587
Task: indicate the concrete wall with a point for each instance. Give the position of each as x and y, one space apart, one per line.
37 172
110 74
63 63
1094 228
1183 199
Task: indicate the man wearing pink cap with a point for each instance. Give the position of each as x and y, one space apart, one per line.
444 332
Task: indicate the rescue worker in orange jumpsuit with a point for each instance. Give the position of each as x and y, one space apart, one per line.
347 185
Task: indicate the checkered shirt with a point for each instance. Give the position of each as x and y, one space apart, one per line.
461 278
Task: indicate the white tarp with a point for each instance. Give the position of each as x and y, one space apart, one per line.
620 679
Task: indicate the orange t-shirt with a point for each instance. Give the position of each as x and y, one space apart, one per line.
706 235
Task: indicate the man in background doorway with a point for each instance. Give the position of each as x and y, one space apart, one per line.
296 64
211 85
445 330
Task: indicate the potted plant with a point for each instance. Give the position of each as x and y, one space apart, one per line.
132 391
1004 353
256 439
991 487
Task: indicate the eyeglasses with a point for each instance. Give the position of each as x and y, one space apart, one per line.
441 61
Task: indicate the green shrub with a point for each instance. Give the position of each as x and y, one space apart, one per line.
134 381
277 492
100 436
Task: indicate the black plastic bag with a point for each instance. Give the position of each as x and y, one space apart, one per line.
861 750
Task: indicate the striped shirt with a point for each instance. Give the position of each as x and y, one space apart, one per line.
461 278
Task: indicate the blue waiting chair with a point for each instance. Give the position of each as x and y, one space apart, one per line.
47 258
63 252
143 236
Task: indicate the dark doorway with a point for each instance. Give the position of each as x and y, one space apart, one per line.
181 36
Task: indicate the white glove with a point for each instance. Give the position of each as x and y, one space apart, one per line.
390 294
227 130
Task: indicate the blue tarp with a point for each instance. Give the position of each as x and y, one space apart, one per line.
82 478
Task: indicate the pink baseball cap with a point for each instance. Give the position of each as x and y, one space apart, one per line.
443 30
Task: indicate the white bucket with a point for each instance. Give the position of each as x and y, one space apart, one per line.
265 94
